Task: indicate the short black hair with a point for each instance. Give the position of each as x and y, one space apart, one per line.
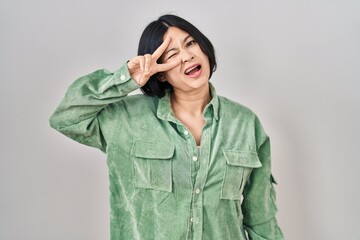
151 39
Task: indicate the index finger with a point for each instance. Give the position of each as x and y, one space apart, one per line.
161 49
167 66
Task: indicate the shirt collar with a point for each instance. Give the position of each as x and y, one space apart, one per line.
165 112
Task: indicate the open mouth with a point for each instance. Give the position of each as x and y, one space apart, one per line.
193 70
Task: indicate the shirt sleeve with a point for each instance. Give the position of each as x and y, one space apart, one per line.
259 203
77 115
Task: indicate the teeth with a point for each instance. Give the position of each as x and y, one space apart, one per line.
190 69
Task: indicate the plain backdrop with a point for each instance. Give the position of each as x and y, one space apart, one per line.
294 63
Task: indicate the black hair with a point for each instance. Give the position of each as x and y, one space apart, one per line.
151 39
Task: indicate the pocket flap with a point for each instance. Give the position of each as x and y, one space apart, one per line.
152 150
242 159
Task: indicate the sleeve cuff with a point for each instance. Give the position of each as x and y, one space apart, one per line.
123 77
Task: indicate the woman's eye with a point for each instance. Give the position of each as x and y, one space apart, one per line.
190 43
171 56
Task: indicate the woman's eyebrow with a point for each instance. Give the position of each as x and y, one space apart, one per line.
188 36
172 49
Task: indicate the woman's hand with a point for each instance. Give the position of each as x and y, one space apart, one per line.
142 68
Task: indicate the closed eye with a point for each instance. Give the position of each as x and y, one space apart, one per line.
172 55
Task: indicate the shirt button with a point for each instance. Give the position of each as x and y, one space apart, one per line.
122 77
191 219
197 191
194 158
186 133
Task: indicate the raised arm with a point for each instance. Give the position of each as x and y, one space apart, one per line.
77 115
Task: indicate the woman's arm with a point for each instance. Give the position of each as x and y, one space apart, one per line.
77 114
259 204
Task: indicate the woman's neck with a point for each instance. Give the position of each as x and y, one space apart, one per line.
192 103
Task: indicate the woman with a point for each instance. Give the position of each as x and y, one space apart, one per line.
183 162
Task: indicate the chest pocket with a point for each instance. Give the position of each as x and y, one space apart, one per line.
152 165
239 165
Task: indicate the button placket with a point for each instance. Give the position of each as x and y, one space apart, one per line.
197 212
198 195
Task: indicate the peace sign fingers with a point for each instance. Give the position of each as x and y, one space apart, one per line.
161 49
163 67
143 67
159 52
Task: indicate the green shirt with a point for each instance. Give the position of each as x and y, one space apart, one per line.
163 186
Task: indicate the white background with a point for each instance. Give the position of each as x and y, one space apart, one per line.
295 63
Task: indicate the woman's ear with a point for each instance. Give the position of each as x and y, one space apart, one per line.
161 77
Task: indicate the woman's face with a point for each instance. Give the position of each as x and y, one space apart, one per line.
194 70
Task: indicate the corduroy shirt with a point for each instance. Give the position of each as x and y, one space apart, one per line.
162 185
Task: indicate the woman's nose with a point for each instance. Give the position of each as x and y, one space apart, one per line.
187 56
